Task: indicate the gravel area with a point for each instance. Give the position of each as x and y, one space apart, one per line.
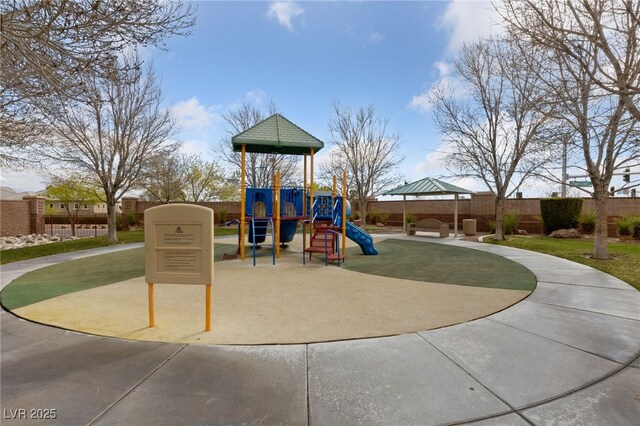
19 241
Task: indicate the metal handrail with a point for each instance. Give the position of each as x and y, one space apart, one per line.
312 207
326 248
333 211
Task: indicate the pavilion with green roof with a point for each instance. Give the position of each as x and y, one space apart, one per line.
274 135
428 186
277 135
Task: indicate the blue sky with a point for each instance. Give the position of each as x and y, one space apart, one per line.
304 55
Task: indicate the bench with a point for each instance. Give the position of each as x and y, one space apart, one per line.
429 225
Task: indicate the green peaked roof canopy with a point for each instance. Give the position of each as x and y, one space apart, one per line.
427 186
276 135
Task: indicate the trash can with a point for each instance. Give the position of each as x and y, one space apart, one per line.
469 226
411 229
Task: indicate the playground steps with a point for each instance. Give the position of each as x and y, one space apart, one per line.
323 242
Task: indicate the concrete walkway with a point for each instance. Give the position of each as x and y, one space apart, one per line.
568 354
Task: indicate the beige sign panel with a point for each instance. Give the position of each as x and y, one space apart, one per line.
178 241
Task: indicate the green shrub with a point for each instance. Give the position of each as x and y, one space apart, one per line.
636 228
587 222
383 218
560 213
625 226
411 218
373 217
510 222
355 215
132 218
222 216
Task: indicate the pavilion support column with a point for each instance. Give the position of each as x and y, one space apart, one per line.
304 188
404 214
455 217
311 192
344 214
277 207
243 199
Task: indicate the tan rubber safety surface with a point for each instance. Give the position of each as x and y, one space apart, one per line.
288 303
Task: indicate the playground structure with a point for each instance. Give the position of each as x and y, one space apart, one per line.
274 213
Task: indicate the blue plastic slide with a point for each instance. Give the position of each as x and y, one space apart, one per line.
354 233
362 238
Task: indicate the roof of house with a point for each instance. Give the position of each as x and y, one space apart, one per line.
428 186
276 135
7 193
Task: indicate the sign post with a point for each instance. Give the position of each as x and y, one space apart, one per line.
178 241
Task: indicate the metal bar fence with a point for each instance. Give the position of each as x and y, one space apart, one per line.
86 225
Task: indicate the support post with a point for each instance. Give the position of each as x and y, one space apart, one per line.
243 199
333 199
311 194
455 217
207 320
152 308
277 207
404 214
304 206
564 166
304 189
344 214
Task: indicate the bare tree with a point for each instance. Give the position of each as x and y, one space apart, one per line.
46 46
495 129
594 77
260 168
602 37
111 131
365 149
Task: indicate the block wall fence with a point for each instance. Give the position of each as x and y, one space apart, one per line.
27 216
24 216
481 206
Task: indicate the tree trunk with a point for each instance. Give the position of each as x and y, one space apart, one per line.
499 219
363 208
72 219
600 247
112 212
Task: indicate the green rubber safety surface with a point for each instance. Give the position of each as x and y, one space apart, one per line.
81 274
441 263
413 260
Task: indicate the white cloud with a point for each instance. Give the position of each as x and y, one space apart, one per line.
197 147
256 96
284 12
191 114
468 20
433 164
376 37
444 68
446 80
421 102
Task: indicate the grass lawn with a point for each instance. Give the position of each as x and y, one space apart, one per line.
81 274
624 262
137 236
439 263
